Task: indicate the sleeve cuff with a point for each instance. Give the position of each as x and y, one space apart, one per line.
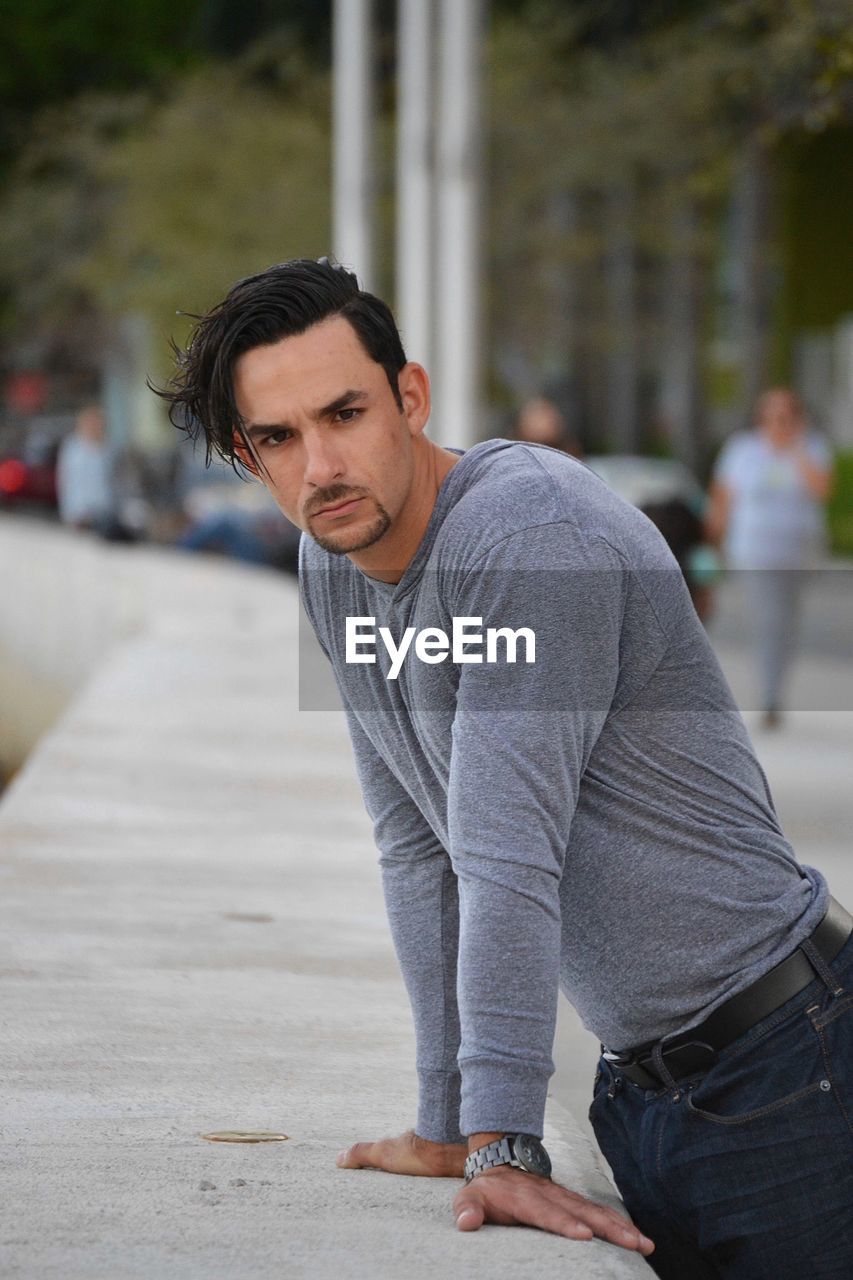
500 1096
438 1106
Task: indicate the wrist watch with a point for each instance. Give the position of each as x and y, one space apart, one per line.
521 1150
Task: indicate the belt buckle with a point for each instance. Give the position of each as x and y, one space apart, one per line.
625 1058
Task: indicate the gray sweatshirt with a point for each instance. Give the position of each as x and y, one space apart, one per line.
594 820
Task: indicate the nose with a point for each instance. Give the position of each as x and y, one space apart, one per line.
323 463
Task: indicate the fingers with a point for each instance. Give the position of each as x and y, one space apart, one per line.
582 1219
472 1206
470 1217
388 1154
393 1155
509 1196
606 1223
407 1154
361 1155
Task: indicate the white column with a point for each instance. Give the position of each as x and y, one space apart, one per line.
456 414
353 181
415 144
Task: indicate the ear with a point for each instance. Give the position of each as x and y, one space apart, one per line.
243 452
413 382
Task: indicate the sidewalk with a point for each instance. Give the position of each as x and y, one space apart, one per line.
196 941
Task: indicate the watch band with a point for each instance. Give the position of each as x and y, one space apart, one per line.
522 1151
489 1157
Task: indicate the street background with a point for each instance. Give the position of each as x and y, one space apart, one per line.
609 225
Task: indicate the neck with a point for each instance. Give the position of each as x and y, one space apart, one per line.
388 559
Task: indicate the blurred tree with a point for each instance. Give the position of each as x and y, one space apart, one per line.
626 138
158 202
657 109
55 50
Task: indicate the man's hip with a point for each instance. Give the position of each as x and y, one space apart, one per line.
657 1063
746 1167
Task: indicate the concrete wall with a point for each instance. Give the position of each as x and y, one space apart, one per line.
195 940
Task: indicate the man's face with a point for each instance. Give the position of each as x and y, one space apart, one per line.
324 421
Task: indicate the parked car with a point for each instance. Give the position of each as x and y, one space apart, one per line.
233 516
642 480
28 456
673 499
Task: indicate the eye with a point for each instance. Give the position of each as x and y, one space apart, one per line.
277 437
348 415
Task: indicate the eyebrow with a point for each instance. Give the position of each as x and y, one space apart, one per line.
256 429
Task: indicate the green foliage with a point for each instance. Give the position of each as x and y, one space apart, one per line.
172 174
840 509
53 48
820 282
158 205
587 102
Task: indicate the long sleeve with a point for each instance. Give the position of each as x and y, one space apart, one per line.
419 886
522 737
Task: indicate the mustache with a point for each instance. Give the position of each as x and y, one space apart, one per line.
332 497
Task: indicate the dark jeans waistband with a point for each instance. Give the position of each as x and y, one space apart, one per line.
655 1063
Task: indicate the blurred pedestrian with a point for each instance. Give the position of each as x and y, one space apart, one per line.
541 421
766 510
225 514
681 526
84 484
91 477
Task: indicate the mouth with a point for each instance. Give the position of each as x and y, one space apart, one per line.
339 509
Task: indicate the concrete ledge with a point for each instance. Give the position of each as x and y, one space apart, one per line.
196 940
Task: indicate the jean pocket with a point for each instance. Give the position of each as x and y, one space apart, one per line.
772 1076
754 1113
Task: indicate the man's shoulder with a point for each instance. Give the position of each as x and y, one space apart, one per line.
534 497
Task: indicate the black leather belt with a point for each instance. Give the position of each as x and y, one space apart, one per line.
696 1049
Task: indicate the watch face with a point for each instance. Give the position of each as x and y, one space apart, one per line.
532 1155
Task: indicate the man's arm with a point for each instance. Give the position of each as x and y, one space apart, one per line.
522 736
421 900
419 887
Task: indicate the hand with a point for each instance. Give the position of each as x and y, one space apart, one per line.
512 1197
407 1154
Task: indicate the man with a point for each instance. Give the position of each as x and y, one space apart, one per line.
563 794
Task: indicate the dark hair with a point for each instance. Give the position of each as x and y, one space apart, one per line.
284 300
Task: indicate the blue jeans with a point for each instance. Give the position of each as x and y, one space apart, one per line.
745 1170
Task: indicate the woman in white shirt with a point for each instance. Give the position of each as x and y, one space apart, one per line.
767 511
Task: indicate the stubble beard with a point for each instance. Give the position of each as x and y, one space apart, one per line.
341 544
